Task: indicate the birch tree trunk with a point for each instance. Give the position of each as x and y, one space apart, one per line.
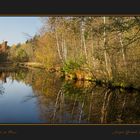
105 49
122 48
58 47
65 50
83 41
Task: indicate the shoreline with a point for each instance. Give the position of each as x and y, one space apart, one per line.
75 75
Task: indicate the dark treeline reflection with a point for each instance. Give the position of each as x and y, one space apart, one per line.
63 101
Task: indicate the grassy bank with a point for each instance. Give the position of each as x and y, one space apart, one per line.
71 72
30 65
74 71
85 75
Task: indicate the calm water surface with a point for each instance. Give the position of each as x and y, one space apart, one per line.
34 96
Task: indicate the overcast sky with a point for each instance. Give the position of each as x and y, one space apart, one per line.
14 29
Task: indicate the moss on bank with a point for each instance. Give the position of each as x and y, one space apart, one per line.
87 76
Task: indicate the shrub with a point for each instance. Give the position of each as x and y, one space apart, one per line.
71 66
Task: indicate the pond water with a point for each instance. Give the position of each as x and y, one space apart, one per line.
35 96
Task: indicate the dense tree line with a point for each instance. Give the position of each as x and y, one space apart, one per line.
108 47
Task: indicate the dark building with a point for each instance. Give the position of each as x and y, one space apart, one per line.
3 47
3 51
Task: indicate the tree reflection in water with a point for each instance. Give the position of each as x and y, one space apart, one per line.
63 101
1 89
2 80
